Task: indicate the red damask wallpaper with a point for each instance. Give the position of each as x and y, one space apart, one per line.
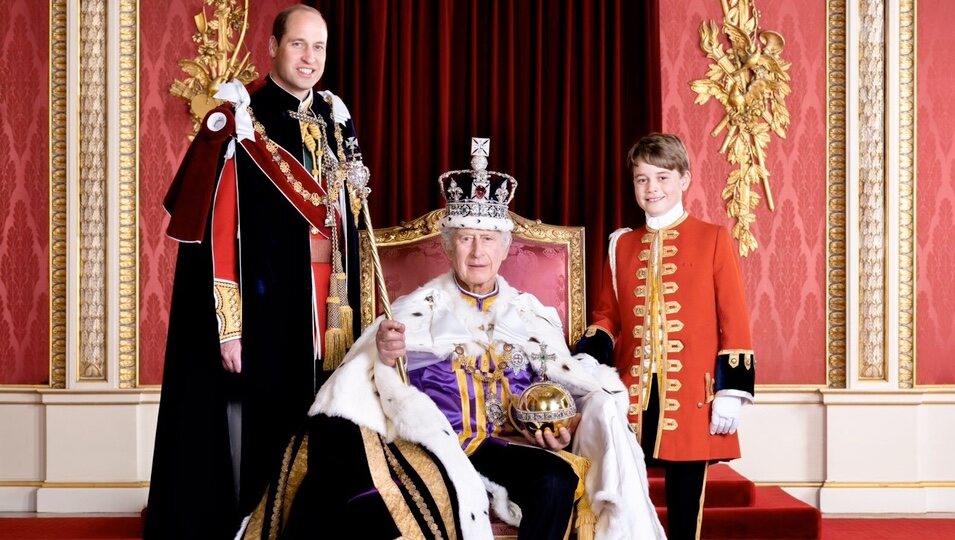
785 277
935 194
24 193
165 36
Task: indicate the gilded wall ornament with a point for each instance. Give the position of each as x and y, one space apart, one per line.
749 79
218 57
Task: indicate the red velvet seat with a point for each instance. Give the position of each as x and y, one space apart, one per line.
545 260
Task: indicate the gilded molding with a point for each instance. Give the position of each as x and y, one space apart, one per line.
128 270
92 189
750 79
872 179
217 59
58 193
428 225
907 162
836 194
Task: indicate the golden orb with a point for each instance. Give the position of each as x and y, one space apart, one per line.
545 405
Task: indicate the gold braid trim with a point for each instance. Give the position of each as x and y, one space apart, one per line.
278 504
228 309
390 493
431 477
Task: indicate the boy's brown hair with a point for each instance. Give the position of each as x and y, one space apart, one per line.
660 150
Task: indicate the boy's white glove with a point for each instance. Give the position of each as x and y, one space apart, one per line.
726 415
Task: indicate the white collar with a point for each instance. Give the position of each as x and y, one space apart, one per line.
667 219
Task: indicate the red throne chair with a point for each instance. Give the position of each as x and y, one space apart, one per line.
544 260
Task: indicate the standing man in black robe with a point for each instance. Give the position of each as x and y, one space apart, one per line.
266 271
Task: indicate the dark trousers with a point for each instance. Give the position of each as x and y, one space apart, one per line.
685 480
541 483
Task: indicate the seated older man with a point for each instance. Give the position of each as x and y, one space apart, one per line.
389 459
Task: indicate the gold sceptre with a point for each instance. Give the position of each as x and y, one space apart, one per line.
357 175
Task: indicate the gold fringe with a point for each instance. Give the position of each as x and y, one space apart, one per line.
586 523
347 315
335 348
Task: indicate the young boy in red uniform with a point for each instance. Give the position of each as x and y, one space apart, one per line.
671 317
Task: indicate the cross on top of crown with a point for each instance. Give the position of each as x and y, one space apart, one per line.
480 147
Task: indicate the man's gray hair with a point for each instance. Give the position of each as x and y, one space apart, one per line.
447 238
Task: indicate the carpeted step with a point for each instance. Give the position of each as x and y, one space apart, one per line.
774 514
72 528
724 488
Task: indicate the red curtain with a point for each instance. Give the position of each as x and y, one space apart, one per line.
562 88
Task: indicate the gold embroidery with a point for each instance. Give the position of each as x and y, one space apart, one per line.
280 490
412 490
670 287
638 331
747 361
639 311
644 254
228 309
642 273
668 251
431 477
671 405
669 424
672 307
731 351
591 331
673 385
674 325
390 494
634 389
734 360
295 477
671 234
674 365
674 346
635 370
640 291
634 409
668 269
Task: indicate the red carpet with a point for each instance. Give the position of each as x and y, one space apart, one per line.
734 509
71 528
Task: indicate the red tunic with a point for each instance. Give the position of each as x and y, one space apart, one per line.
704 343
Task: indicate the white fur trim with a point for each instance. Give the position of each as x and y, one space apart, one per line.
475 222
504 507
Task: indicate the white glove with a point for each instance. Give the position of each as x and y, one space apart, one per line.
726 415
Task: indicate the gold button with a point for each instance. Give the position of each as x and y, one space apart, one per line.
314 230
699 405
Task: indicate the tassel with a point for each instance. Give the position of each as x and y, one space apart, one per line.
334 335
586 523
347 316
335 349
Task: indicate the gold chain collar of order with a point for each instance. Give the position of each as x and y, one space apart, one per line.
512 358
334 176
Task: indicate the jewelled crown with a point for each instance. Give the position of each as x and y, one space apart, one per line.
477 198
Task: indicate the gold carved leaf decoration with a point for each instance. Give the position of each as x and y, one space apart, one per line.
218 44
749 78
